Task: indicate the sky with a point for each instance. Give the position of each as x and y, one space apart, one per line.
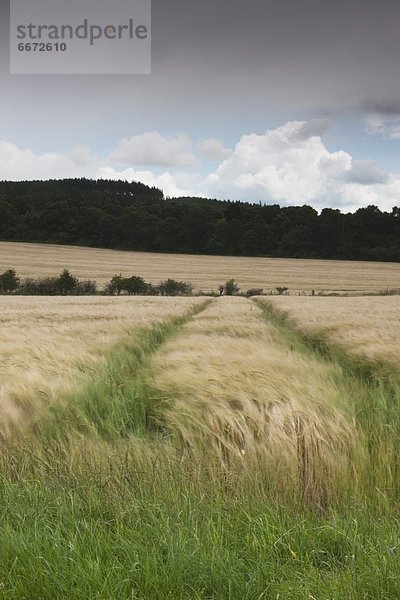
280 101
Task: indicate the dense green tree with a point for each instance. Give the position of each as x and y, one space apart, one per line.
132 216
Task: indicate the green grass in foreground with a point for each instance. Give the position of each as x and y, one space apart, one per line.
101 540
97 501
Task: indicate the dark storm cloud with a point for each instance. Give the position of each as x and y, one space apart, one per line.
384 106
316 48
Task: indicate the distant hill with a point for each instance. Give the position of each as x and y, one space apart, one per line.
132 216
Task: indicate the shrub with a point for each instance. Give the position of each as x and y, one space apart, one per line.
50 286
254 292
231 287
9 281
151 290
115 285
86 288
38 287
66 283
281 290
170 287
134 286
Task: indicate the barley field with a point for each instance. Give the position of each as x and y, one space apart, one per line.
367 326
48 342
203 272
237 389
197 448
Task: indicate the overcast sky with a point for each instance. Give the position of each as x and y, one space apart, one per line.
289 101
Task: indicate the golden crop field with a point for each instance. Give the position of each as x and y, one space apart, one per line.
204 441
368 325
46 342
238 389
203 272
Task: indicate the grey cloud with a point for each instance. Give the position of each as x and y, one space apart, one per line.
153 149
315 127
384 106
261 53
213 149
366 172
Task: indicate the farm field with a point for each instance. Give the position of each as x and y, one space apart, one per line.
203 272
196 449
46 343
367 326
237 389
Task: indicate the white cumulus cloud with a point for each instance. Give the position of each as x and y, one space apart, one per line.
172 185
17 163
284 164
292 165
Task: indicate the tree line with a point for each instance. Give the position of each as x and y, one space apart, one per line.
66 284
132 216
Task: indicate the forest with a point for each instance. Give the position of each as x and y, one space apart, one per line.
133 216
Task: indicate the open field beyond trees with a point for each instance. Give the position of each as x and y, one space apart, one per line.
205 273
159 448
